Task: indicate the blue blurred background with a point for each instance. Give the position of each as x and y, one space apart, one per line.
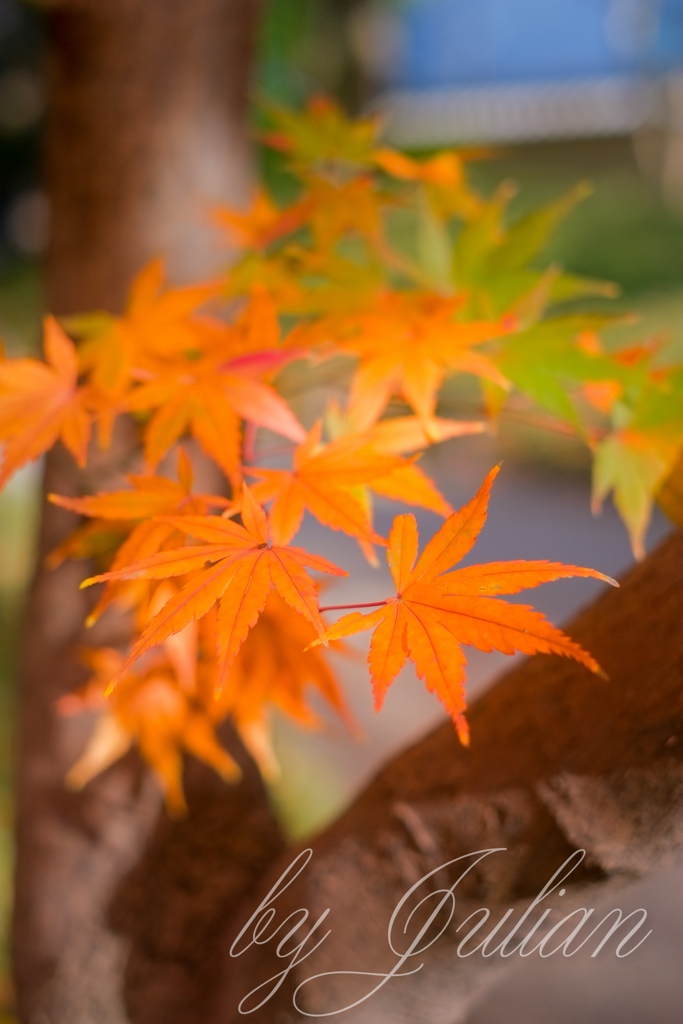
516 70
457 42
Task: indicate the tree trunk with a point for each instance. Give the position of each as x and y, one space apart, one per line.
560 761
147 128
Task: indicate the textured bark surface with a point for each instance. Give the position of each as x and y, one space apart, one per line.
560 760
146 129
71 848
193 875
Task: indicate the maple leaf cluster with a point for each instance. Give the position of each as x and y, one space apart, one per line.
389 274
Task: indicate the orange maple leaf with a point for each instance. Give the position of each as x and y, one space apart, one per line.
133 509
337 208
274 668
166 709
262 222
435 611
407 343
409 484
443 169
443 175
156 324
402 434
329 481
97 539
236 567
41 403
210 389
149 708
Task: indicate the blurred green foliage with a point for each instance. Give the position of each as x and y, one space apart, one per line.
21 308
305 49
624 232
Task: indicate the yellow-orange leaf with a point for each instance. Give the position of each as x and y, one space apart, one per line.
444 169
156 325
435 612
235 567
150 496
321 480
407 343
330 482
153 710
156 321
41 403
274 665
409 484
262 223
403 434
209 403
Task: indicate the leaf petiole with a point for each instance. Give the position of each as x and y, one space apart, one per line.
345 607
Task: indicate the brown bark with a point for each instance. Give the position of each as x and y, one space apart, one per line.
147 128
559 761
192 877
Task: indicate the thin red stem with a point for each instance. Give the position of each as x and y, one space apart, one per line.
344 607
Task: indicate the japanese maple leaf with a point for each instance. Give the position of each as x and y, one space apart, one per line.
250 346
262 223
41 403
436 611
407 343
406 482
208 397
443 169
352 206
151 709
409 484
323 479
211 387
402 434
156 324
97 539
150 496
322 132
633 464
236 567
275 666
645 404
443 175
